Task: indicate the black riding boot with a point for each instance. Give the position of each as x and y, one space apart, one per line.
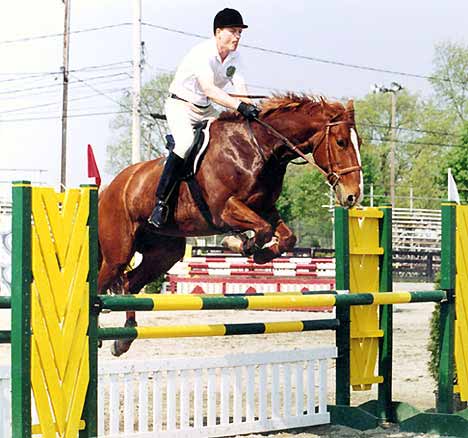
167 182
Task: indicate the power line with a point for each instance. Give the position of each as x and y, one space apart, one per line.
55 90
420 143
129 109
424 131
74 99
262 49
30 75
60 84
310 58
59 116
56 35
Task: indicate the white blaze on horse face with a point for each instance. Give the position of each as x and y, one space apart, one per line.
354 141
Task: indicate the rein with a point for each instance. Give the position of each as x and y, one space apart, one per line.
333 175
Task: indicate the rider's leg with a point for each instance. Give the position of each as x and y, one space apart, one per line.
167 182
181 128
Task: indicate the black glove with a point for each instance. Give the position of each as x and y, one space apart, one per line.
249 111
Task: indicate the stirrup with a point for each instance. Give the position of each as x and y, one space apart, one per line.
158 217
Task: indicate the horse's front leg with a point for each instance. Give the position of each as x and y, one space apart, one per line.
283 240
241 218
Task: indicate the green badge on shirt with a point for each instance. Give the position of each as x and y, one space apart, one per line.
230 71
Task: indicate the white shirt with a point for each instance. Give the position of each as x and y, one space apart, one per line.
204 61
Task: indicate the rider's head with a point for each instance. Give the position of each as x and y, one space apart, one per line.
228 18
227 28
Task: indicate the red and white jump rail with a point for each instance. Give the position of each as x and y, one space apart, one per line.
225 275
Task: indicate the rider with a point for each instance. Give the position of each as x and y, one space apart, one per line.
199 80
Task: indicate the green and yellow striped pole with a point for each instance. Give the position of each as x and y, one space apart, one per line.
191 331
154 302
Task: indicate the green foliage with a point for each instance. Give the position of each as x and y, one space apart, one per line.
458 161
302 205
433 345
155 286
153 96
450 78
418 122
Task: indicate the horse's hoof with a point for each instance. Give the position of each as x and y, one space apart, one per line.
233 243
263 256
115 349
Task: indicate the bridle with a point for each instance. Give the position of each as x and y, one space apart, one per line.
332 173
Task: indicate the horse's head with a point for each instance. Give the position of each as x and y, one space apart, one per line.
335 148
327 130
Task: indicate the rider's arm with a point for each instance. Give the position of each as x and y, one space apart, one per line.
240 87
215 93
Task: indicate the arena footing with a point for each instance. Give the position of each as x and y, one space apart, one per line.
409 418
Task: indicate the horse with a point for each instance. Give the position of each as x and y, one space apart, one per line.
240 179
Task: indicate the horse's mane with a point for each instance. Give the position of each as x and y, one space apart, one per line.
287 102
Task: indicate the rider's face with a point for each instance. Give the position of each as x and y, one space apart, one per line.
228 37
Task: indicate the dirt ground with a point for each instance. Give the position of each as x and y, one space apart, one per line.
412 382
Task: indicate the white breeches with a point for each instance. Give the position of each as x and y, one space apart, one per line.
181 117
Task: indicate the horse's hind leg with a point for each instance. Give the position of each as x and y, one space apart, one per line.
157 260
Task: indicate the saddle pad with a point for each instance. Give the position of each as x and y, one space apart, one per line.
198 158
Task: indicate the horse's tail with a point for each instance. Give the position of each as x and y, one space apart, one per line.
99 256
101 190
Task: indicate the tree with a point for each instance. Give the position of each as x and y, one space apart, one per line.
450 77
302 205
153 96
421 129
458 162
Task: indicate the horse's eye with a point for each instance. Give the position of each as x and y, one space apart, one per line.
341 142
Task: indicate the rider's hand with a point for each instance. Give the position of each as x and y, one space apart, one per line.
249 111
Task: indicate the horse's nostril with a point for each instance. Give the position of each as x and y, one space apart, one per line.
351 199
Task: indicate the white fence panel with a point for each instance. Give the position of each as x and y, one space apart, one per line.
206 397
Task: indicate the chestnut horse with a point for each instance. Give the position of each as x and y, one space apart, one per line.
240 177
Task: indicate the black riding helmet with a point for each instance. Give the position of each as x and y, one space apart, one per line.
228 18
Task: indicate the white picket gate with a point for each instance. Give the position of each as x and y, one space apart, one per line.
207 396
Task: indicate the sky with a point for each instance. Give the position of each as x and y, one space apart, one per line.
318 40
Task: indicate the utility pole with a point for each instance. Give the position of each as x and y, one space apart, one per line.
136 107
392 148
66 46
393 89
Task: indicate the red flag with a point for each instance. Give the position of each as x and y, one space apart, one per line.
93 171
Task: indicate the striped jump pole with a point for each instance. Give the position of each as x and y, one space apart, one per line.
151 302
191 331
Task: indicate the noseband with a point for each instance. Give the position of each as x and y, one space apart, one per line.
332 173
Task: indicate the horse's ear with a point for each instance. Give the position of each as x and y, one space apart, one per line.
350 109
350 105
